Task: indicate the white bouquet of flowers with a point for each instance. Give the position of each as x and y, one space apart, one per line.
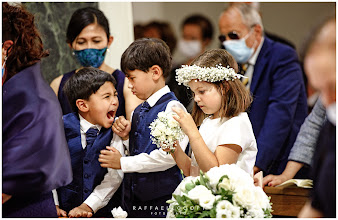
226 191
165 130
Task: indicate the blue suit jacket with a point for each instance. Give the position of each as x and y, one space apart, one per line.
279 106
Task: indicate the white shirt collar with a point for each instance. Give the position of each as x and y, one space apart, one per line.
85 125
157 95
253 59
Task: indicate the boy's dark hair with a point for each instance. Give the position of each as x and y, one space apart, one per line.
83 17
144 53
84 83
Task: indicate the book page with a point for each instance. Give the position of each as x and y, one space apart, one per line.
303 183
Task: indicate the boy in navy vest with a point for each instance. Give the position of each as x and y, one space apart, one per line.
93 97
150 174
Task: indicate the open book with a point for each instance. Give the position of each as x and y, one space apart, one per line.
303 183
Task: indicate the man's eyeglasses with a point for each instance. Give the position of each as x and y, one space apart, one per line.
232 35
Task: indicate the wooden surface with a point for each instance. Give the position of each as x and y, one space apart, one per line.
287 201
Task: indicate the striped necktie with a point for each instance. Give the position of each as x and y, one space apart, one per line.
243 68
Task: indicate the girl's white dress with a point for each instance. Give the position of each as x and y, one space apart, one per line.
236 130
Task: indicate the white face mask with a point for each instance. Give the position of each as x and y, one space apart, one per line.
331 113
190 48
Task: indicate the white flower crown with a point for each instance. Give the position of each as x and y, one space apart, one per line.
209 74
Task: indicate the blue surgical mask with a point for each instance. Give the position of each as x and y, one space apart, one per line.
238 49
91 57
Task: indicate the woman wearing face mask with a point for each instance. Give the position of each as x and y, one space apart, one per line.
89 37
35 155
197 32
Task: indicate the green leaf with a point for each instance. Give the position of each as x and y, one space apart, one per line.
189 186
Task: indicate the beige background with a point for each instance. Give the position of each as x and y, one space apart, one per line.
287 19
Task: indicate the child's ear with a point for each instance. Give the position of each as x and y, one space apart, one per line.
82 105
156 72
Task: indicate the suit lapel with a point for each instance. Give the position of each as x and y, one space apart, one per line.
261 63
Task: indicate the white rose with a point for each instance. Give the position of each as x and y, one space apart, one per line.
197 192
226 184
119 213
206 201
244 197
156 133
227 209
262 200
168 132
255 213
161 115
161 127
172 123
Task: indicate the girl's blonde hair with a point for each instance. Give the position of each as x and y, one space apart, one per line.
235 97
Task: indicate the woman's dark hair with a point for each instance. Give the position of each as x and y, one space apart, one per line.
83 17
144 53
235 97
84 83
201 21
27 49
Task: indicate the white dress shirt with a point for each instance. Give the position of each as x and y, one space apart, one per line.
112 179
251 64
157 160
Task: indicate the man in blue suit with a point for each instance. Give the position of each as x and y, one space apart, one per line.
274 77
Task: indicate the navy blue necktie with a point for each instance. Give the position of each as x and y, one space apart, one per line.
144 107
91 135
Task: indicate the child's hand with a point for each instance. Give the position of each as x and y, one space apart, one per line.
61 212
110 158
122 127
186 122
81 211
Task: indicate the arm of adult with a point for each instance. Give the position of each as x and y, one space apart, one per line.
131 100
55 84
290 171
305 144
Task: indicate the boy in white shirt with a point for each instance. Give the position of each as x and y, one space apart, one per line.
150 174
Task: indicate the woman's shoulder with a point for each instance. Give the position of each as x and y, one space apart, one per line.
55 84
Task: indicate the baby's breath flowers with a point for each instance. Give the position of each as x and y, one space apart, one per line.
165 131
208 74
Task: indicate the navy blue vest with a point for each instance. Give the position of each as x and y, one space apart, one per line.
119 77
149 186
87 172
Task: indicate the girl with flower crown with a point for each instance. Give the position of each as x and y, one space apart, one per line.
225 134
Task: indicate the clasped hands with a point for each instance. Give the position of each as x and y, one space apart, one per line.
110 157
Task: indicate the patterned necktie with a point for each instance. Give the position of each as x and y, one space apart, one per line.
243 68
144 107
91 135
